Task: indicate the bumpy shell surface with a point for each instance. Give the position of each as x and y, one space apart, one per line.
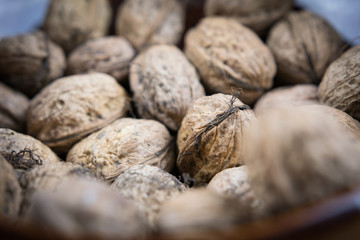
234 183
258 15
229 57
199 210
164 83
211 136
148 187
10 190
30 62
123 144
340 86
24 152
297 156
81 207
72 107
13 107
111 55
149 22
70 23
303 45
48 178
301 94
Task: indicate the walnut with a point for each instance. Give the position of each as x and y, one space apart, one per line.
211 136
24 152
149 22
123 144
296 156
148 187
300 94
303 45
234 183
30 62
340 86
229 60
111 55
13 107
83 209
48 177
10 190
198 211
73 107
164 83
70 23
258 15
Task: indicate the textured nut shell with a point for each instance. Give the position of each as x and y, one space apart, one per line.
48 178
123 144
148 187
111 55
291 149
12 146
257 15
13 107
149 22
30 62
340 86
205 151
199 210
303 45
230 59
80 207
10 190
164 83
72 107
234 183
70 23
301 94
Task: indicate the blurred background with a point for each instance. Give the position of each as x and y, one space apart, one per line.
21 16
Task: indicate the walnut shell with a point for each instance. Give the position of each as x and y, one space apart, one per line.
10 190
72 107
111 55
258 15
30 62
24 152
82 209
148 187
303 45
211 136
301 94
150 22
123 144
340 86
48 178
197 211
13 107
296 156
164 83
229 60
234 183
70 23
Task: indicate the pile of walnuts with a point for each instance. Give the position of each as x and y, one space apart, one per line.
130 135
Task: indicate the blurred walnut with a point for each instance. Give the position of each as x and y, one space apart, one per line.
73 107
149 22
30 62
340 86
111 55
70 23
229 57
303 45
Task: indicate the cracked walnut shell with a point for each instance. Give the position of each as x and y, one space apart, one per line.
73 107
229 56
